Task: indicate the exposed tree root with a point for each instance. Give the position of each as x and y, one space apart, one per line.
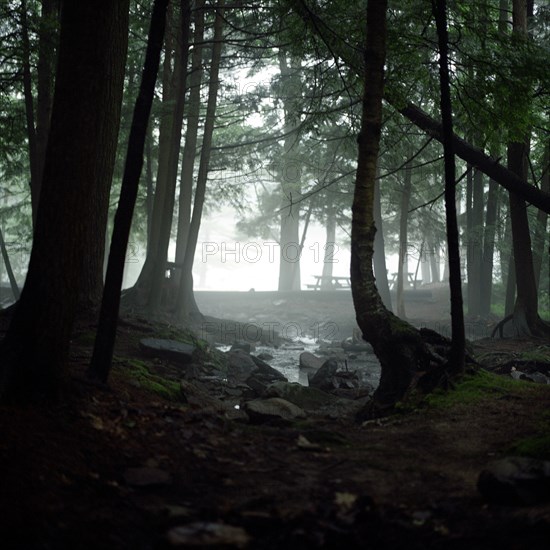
430 366
536 329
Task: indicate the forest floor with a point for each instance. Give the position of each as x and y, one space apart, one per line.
132 466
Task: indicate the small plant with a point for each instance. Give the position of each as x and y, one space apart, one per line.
474 388
140 372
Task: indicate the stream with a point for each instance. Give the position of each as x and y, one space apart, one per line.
286 359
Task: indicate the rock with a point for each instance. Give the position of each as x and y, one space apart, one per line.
240 366
516 481
535 376
199 398
310 362
168 349
274 408
293 347
348 345
146 477
258 384
265 356
303 396
208 535
244 346
322 379
267 371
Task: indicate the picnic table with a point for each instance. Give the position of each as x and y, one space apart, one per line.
331 282
412 281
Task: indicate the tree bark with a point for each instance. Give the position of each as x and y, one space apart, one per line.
108 319
289 173
185 302
403 265
191 135
79 162
29 106
526 319
142 288
486 286
379 254
458 343
539 237
397 345
330 242
9 270
45 72
475 245
159 266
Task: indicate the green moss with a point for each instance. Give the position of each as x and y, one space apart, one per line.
537 446
541 354
139 372
472 389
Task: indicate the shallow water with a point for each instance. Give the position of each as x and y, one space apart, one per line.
287 361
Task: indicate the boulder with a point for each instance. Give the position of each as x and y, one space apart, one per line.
240 366
244 346
310 362
516 481
322 379
267 371
168 349
303 396
274 408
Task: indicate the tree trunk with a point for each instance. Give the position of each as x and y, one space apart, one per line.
486 286
9 270
108 319
142 287
45 72
289 173
79 163
433 251
185 302
475 245
328 259
397 345
149 186
379 259
525 317
190 148
403 267
458 344
29 106
539 237
157 281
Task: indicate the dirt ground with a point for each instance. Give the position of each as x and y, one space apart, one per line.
123 467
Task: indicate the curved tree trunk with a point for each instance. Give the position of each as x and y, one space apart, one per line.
406 354
397 345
